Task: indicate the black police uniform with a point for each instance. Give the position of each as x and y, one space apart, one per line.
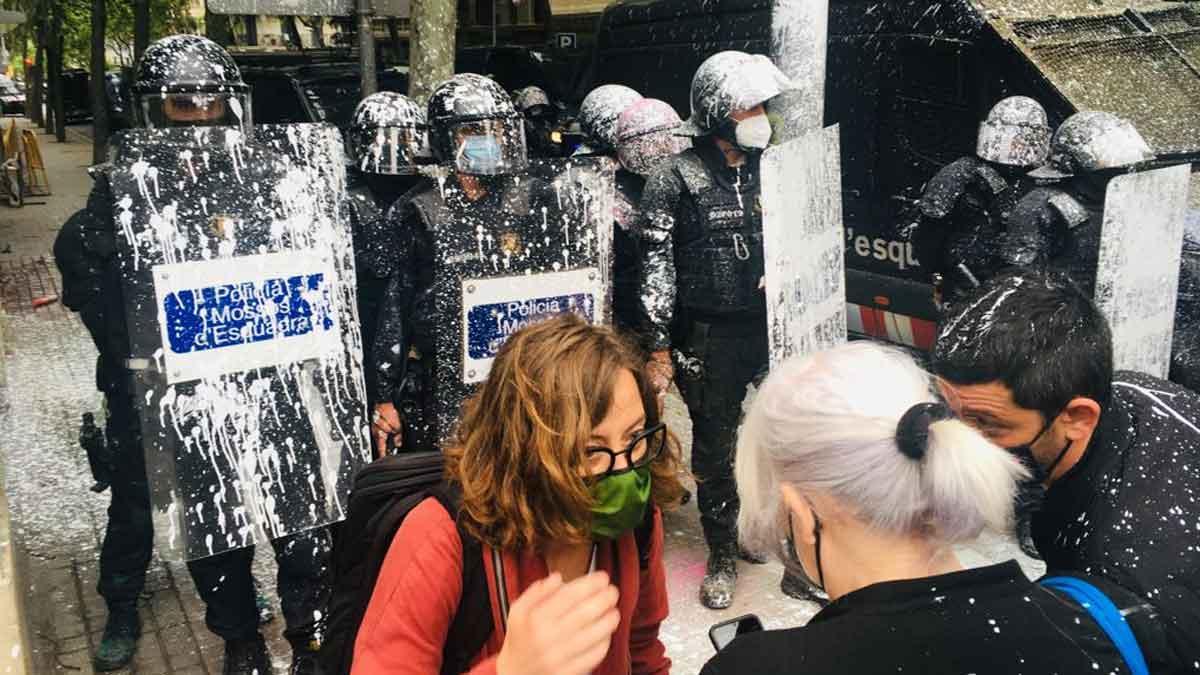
627 263
1060 227
435 226
964 210
369 197
701 238
86 253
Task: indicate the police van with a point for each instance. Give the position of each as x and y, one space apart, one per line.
909 82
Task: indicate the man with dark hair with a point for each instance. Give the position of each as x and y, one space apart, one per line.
1027 359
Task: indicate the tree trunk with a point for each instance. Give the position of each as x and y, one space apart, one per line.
393 27
318 32
251 22
35 86
216 28
432 42
96 85
141 27
60 103
288 24
368 75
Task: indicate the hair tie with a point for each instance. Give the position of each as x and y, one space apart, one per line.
912 432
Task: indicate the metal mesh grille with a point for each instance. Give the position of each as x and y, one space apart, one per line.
28 286
1172 20
1060 31
1189 44
1139 78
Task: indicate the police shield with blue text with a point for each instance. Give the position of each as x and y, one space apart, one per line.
702 290
965 206
386 143
492 243
208 264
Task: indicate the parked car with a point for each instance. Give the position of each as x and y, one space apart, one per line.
12 97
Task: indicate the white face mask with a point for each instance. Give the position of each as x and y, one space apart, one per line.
753 133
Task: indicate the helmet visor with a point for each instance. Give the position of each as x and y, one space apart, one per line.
394 151
489 147
223 109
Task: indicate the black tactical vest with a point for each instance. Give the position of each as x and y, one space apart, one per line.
719 240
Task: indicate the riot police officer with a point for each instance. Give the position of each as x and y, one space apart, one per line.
477 132
541 120
645 137
964 207
386 143
702 281
1059 225
598 114
182 80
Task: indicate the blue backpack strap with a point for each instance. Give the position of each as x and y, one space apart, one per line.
1106 614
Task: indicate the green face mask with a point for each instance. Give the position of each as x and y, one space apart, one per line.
620 503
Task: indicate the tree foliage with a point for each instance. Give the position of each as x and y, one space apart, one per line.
166 17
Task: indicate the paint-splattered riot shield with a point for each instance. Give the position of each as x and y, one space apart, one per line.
238 281
1138 271
539 246
803 245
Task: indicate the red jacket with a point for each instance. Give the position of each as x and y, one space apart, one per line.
420 583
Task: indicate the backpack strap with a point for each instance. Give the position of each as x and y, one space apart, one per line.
1106 614
472 624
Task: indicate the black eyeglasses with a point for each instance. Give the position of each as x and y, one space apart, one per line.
645 447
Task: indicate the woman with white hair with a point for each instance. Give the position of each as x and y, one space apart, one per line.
850 457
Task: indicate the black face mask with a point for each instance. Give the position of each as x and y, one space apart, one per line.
1024 452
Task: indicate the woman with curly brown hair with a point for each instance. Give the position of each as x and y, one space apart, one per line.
563 465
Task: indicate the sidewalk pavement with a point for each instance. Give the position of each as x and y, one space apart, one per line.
59 523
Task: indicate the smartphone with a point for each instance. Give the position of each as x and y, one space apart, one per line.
724 633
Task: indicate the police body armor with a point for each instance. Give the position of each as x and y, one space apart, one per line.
536 245
1051 226
719 254
965 208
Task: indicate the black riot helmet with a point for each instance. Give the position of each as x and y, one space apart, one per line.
388 135
189 80
474 126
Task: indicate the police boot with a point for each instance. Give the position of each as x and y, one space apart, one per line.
121 633
304 660
752 557
795 587
247 657
720 576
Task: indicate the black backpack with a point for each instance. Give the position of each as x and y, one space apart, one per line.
383 494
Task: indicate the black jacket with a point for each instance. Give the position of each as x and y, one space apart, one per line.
1130 509
990 620
85 252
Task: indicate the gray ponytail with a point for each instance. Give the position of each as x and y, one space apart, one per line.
828 423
